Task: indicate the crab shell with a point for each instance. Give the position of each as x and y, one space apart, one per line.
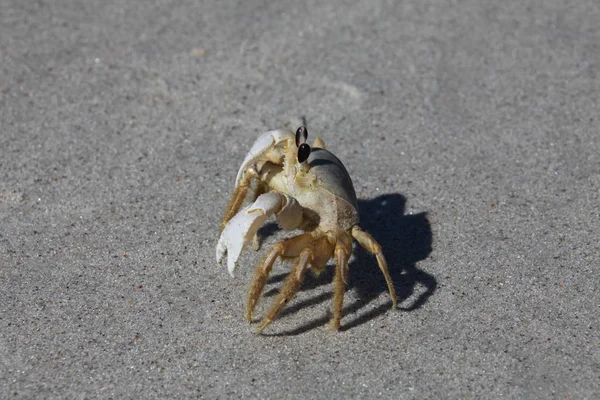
325 191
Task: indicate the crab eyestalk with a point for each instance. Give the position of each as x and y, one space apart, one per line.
303 153
301 135
303 148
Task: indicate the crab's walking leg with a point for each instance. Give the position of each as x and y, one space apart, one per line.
292 284
371 245
343 248
237 199
339 285
286 248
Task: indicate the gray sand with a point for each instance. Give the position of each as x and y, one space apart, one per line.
470 130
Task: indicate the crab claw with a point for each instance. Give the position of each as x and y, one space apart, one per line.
263 143
242 227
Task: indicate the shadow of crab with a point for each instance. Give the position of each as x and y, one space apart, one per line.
405 240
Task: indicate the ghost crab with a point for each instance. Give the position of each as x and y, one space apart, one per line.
308 189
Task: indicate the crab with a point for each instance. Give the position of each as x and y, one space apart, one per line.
308 189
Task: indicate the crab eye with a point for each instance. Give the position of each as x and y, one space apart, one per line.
301 136
303 152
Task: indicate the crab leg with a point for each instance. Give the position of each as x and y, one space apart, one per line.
292 284
243 226
290 247
237 198
371 245
341 263
342 249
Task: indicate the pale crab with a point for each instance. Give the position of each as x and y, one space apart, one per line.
307 189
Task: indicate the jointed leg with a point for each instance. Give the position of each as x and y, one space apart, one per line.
289 248
237 199
339 284
371 245
260 189
292 284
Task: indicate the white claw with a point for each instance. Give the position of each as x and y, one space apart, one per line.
261 145
242 227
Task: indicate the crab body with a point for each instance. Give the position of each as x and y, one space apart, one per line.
325 191
307 189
